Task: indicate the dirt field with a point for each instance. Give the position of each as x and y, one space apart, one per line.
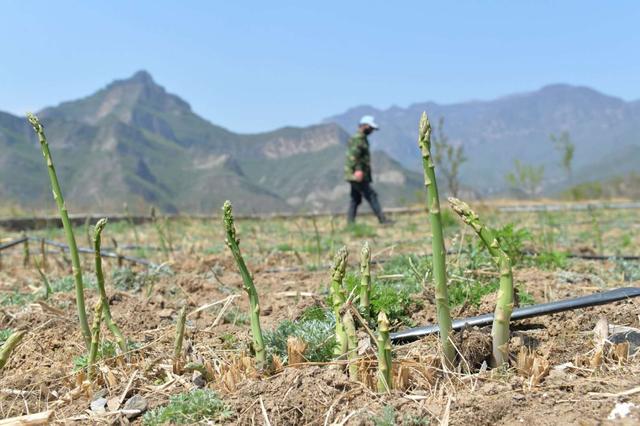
558 374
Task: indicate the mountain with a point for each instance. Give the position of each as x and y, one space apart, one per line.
134 142
497 132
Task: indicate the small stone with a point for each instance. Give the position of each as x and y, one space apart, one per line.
631 336
137 403
100 393
198 380
97 406
165 313
621 410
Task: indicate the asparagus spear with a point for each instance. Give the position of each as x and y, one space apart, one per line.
64 215
365 278
111 325
234 245
338 298
385 384
9 345
439 268
504 304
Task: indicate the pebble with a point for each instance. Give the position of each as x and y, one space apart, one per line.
631 336
97 406
136 402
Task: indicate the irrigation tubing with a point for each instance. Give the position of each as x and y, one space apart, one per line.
524 313
13 243
102 253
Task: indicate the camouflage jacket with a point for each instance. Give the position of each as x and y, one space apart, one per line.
358 157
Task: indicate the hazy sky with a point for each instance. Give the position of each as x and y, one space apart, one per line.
253 66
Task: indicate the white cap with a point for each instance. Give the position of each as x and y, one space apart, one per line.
368 119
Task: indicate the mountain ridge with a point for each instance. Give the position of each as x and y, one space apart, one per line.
133 141
511 127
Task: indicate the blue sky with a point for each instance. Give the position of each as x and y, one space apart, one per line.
253 66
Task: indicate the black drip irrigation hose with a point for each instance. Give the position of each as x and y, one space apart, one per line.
102 253
80 250
13 243
524 313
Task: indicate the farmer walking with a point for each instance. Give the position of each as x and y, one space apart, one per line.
357 171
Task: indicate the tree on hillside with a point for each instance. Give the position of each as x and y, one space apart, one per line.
566 148
526 178
448 158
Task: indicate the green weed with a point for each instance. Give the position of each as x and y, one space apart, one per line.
107 349
4 335
316 328
16 298
630 271
389 414
236 316
401 279
550 260
470 291
361 230
448 218
126 279
189 408
512 241
284 247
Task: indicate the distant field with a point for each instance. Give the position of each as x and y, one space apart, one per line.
290 259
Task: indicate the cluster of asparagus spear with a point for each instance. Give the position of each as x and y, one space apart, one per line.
91 335
504 305
345 328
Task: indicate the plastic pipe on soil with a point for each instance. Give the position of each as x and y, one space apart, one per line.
437 241
352 344
111 325
338 298
64 216
234 245
526 312
9 345
177 345
365 278
12 243
95 337
385 384
504 302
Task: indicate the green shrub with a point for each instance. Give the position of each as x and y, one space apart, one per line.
189 408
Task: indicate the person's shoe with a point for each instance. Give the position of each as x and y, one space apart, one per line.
387 221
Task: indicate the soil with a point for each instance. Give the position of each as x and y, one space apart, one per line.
556 375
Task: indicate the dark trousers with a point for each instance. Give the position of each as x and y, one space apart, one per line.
359 190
